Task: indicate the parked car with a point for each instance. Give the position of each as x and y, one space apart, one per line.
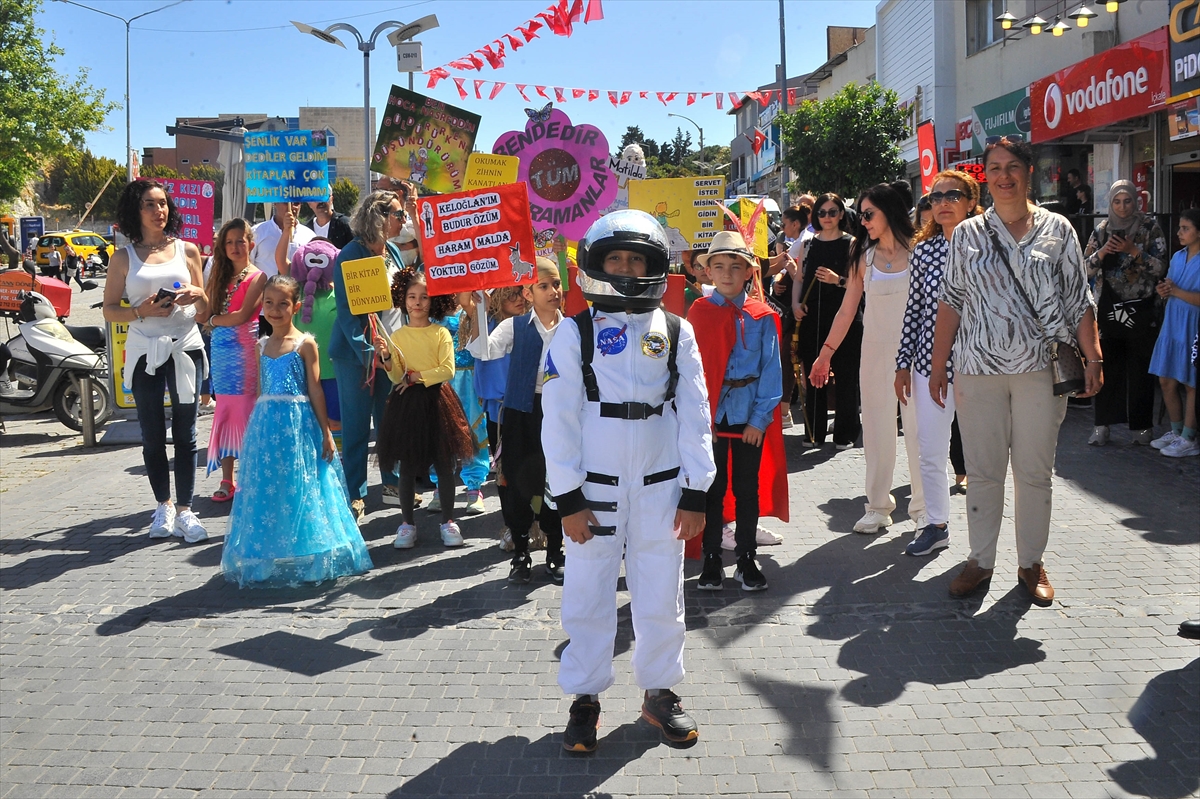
85 243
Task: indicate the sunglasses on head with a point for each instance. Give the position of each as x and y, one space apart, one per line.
1008 138
828 213
952 196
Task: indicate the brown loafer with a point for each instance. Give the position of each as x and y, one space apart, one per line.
971 580
1037 584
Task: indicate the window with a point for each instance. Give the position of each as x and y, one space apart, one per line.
331 168
184 161
330 138
982 28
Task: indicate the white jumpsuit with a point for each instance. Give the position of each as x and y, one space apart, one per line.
632 474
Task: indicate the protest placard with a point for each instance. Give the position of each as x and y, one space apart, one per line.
683 206
194 200
286 166
566 167
367 288
425 140
745 207
478 239
485 170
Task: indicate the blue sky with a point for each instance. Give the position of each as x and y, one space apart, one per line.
206 57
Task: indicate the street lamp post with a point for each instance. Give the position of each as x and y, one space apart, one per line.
698 128
366 46
128 115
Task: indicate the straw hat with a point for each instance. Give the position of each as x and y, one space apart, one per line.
729 242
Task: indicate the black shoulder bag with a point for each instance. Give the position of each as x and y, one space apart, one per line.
1066 363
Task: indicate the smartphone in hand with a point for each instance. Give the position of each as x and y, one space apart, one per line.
164 294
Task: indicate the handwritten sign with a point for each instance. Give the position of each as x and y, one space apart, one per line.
367 288
425 140
485 170
194 199
477 239
685 207
286 166
566 167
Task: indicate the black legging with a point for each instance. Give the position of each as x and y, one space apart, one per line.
445 489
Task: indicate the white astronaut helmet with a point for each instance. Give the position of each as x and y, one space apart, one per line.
638 232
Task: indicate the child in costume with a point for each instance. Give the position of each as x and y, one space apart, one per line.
475 470
627 436
291 521
312 266
423 423
738 338
527 338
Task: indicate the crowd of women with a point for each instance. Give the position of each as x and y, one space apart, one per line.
952 314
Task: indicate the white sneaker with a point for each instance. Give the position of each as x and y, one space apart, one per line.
920 520
506 543
475 503
206 408
872 522
406 537
787 418
1099 436
1165 440
163 523
189 528
762 537
1182 448
451 535
435 504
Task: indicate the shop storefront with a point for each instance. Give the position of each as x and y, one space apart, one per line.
1179 179
1102 118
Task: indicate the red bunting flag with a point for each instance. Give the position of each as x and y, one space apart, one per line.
496 87
576 12
436 75
612 98
756 96
720 100
792 97
521 91
495 58
528 30
462 64
593 94
514 42
642 95
462 92
559 95
594 12
478 83
625 97
541 90
735 99
577 93
766 98
666 97
691 98
758 141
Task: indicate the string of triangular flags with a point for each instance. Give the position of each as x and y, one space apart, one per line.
489 90
559 19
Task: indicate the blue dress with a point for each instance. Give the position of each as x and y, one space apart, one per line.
1172 350
291 521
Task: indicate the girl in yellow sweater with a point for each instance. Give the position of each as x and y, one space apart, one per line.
423 424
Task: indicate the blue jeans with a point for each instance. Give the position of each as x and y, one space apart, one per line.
359 406
152 416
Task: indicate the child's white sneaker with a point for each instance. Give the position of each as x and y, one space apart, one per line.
189 528
163 523
475 503
451 535
406 537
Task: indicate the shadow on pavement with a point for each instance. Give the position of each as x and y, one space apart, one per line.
808 711
1167 715
90 544
515 765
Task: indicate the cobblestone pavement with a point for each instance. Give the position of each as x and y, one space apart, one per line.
129 668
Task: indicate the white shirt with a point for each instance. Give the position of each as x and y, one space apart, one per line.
322 230
499 342
266 239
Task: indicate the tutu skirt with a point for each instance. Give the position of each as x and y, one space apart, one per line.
424 425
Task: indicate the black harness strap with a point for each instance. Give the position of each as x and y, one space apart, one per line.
587 349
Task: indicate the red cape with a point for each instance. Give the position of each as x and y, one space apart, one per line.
716 332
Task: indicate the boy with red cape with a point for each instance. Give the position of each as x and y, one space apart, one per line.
738 338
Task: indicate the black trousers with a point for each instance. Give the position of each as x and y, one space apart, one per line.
957 460
524 466
844 365
746 459
1128 392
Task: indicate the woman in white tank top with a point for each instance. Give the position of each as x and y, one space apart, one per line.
164 352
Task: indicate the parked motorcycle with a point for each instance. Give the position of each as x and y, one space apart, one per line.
94 266
46 363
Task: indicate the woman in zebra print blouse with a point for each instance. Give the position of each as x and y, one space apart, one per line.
1003 383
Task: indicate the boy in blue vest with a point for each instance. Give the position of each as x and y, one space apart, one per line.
527 338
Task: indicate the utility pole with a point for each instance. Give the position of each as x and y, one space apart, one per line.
783 108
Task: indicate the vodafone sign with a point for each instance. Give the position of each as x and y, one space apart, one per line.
1124 82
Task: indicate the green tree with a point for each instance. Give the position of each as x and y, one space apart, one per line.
845 143
633 135
681 146
159 171
45 112
85 177
345 195
217 176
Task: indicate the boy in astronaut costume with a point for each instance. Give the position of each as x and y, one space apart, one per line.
627 437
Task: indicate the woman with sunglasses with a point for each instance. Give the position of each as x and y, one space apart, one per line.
879 272
955 196
363 385
1014 283
824 260
1126 255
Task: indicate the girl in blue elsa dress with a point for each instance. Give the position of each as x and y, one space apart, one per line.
291 521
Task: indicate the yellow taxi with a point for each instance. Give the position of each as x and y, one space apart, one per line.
85 243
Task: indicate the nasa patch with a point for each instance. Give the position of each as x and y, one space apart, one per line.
655 344
612 340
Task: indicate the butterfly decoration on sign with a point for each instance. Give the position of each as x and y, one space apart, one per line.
539 115
542 238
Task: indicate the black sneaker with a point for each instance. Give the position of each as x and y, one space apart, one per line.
554 568
522 568
712 575
580 735
749 575
665 712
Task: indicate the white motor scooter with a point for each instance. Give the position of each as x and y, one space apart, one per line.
45 364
